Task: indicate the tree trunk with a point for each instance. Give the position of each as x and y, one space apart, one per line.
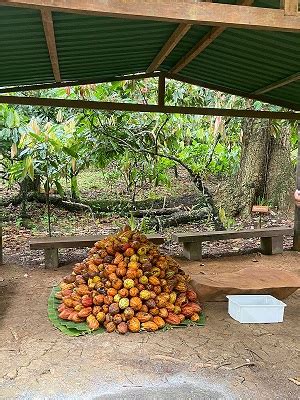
280 179
265 174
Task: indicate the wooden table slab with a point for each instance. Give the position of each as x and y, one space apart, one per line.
256 280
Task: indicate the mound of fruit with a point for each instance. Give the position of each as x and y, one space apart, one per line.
125 284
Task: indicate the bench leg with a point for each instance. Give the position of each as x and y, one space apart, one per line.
51 258
192 251
271 245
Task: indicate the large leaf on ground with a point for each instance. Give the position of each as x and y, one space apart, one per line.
67 327
76 329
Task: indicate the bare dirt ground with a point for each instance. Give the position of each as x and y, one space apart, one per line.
39 362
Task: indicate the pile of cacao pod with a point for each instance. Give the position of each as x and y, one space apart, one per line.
126 284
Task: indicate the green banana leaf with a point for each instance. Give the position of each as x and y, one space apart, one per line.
70 328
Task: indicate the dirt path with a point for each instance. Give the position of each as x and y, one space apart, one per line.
38 362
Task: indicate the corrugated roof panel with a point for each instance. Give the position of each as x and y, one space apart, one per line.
24 54
290 92
196 33
94 47
102 45
249 59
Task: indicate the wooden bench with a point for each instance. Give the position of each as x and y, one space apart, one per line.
271 239
50 245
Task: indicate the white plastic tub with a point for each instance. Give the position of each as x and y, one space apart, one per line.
255 309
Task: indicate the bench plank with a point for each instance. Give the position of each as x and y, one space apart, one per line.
223 235
61 242
271 239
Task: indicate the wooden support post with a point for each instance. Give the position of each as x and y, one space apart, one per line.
192 250
290 7
271 245
51 258
296 245
161 90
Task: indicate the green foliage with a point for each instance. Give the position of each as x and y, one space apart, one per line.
141 149
228 222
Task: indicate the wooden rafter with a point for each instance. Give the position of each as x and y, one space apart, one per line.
24 88
196 50
290 7
236 92
171 43
203 43
277 84
109 106
184 11
51 43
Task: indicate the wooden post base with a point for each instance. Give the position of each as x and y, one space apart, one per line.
192 250
272 245
51 258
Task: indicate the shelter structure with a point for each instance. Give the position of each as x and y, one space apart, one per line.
249 48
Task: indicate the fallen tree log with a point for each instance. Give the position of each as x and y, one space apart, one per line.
179 218
155 212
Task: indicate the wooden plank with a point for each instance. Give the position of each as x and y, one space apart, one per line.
261 209
66 83
224 235
161 90
225 89
110 106
171 43
203 43
290 7
215 287
277 84
77 241
185 11
51 43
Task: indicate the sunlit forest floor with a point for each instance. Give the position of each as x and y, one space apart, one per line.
93 185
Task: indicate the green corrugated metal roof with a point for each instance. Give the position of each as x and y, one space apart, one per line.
94 47
244 59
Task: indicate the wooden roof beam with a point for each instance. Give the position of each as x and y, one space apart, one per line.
203 43
40 86
151 108
275 85
235 92
196 50
51 43
184 11
171 43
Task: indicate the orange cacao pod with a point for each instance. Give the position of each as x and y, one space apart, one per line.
150 326
172 319
159 321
